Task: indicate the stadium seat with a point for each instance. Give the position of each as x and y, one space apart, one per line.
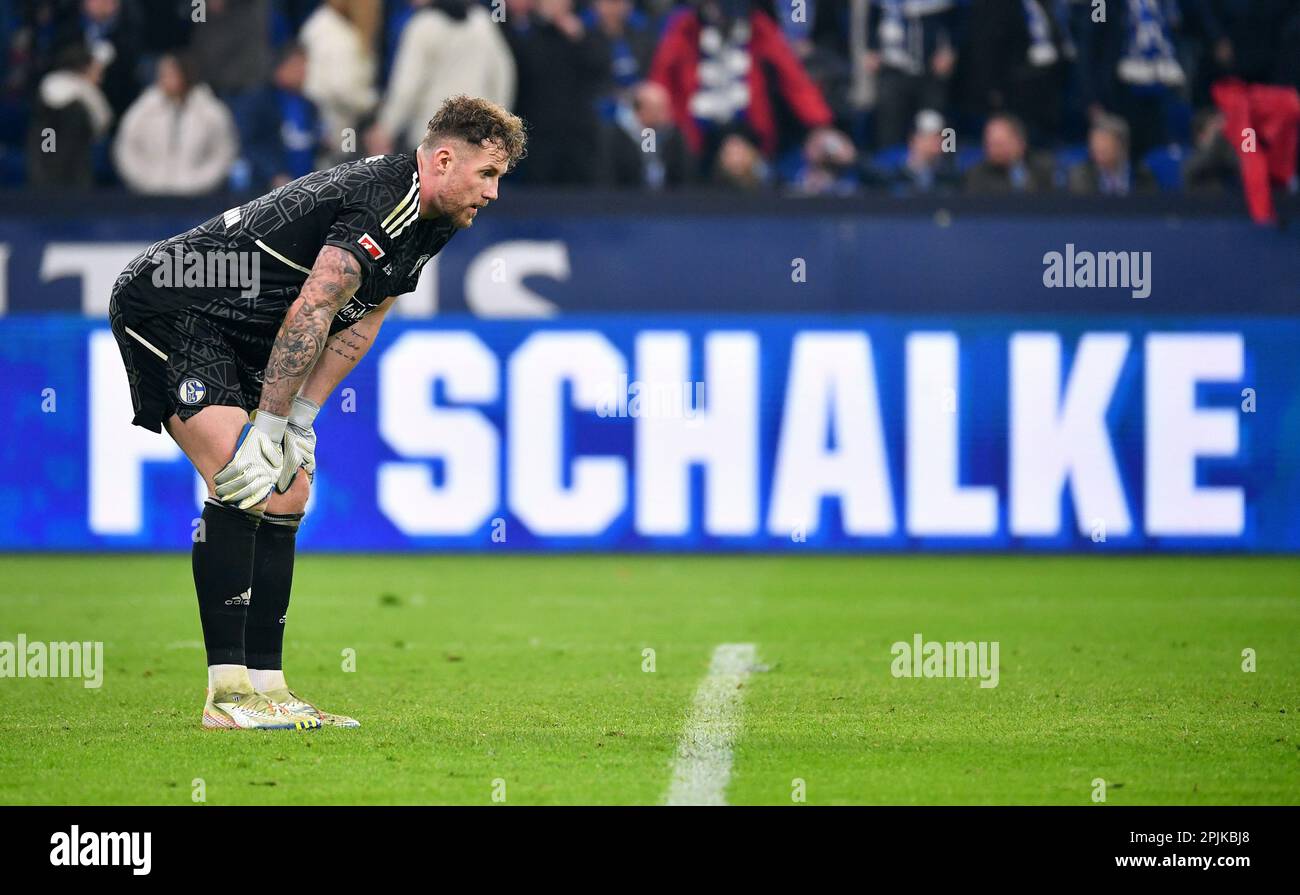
1066 158
968 157
789 165
1166 164
890 158
13 167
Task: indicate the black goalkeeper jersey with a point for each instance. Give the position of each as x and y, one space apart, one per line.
368 207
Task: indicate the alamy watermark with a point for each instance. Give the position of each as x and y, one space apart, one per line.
209 270
1098 270
83 659
652 400
77 849
933 658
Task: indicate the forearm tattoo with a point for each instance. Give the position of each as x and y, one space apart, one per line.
349 344
334 278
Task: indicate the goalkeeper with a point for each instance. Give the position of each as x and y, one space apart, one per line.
332 249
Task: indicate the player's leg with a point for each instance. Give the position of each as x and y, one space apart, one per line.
183 377
273 560
223 576
272 584
223 555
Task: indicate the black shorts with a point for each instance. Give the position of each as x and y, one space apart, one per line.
178 361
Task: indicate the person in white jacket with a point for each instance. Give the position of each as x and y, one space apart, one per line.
177 138
447 48
340 69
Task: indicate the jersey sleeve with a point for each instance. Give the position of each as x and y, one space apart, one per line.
408 283
377 210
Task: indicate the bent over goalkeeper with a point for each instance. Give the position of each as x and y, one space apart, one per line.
335 248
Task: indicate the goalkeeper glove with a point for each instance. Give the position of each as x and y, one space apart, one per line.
251 474
299 443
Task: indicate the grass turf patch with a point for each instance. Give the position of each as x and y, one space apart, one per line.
529 670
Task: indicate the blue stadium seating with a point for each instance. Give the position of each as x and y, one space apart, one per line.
1166 163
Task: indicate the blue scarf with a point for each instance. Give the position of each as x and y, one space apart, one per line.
900 34
1148 59
723 68
1042 49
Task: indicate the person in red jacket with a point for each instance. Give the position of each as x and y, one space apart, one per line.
1253 84
721 61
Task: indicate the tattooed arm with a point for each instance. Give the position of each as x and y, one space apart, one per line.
334 278
344 351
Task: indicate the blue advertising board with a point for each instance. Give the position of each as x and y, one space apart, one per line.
544 258
782 433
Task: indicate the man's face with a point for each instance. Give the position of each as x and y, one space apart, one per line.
652 105
613 14
926 146
737 156
291 72
170 78
100 10
554 9
1105 148
1002 145
463 178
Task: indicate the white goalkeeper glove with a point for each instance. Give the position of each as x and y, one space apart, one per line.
299 443
251 474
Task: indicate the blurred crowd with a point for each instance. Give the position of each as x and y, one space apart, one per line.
807 97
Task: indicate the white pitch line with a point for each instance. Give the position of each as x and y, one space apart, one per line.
703 764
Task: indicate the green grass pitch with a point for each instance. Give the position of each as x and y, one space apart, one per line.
529 670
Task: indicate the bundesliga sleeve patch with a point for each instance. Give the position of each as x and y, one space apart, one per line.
368 243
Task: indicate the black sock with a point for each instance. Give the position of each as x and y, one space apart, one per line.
272 581
223 573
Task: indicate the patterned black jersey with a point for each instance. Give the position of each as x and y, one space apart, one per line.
368 207
196 315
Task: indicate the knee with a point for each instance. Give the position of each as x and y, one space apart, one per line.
293 501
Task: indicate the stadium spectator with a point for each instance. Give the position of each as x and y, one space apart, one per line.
231 52
756 68
339 40
825 51
1128 65
177 139
448 47
1008 167
561 68
830 165
1108 170
926 168
1212 165
739 165
113 35
1255 45
628 41
627 160
69 117
231 49
1014 61
28 48
286 133
719 59
911 51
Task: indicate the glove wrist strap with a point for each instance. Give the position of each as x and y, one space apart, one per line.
303 412
270 425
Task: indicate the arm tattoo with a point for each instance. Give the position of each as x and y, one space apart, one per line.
348 344
333 279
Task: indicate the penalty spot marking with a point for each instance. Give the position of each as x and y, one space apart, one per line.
702 767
